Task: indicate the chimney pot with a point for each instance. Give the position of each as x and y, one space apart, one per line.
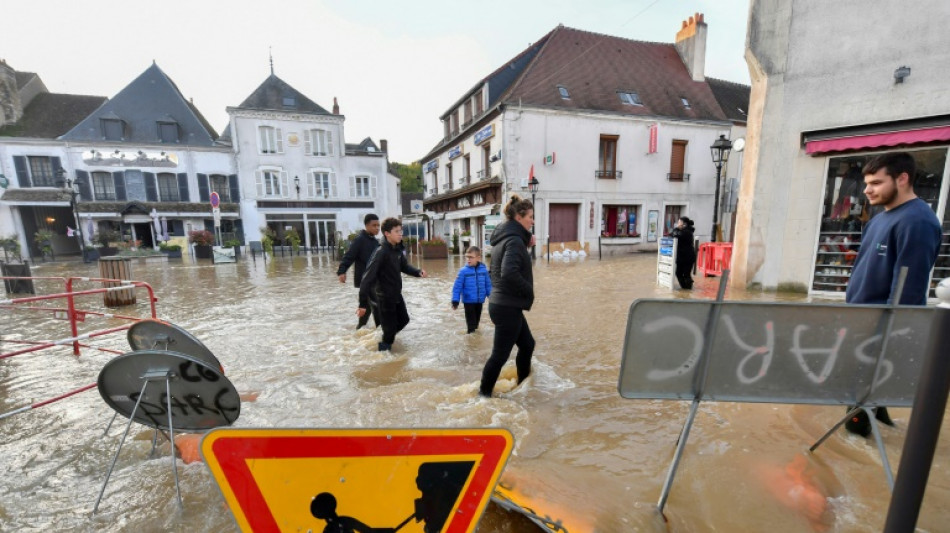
384 146
336 107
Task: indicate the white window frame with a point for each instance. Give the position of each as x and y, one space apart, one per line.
270 140
273 178
661 231
318 142
321 183
358 186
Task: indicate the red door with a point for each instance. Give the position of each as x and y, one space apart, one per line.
563 222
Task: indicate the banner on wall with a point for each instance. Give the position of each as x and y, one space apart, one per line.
654 134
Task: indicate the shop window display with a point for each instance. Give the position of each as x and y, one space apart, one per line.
620 221
846 210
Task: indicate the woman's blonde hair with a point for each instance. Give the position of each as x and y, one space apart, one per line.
517 206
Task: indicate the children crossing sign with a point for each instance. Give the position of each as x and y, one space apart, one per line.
409 480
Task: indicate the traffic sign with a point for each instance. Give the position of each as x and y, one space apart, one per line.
413 480
215 200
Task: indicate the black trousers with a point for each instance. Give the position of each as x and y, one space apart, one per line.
511 329
683 274
394 317
372 309
473 315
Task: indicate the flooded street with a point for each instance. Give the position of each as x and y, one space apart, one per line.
286 329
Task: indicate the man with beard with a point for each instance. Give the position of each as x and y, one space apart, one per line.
906 234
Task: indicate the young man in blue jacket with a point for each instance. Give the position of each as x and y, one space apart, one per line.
472 287
906 234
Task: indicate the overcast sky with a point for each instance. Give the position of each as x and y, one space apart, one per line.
394 65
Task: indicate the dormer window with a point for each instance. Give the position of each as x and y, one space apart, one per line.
168 132
685 102
290 101
112 129
630 98
565 94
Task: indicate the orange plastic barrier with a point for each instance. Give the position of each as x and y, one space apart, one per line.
713 258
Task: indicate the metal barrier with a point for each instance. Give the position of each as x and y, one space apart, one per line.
713 258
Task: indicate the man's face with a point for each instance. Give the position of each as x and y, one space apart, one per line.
373 228
880 188
394 237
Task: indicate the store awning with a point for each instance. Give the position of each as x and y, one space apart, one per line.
470 213
878 140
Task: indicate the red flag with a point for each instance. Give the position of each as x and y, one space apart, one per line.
69 231
531 174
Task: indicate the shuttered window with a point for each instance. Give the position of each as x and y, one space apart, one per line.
103 186
678 161
167 187
270 140
607 157
219 184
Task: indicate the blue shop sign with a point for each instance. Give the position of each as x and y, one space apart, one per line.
484 134
455 152
432 165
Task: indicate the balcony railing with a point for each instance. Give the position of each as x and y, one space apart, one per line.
608 174
433 191
481 174
677 176
465 181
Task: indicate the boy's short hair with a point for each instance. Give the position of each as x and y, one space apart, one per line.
473 250
896 163
390 224
369 218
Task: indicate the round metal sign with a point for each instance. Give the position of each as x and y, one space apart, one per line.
215 200
158 335
201 397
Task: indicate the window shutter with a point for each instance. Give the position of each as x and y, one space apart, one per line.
119 179
279 136
352 186
259 177
85 187
56 165
307 145
372 187
329 142
333 192
235 188
312 187
283 184
261 139
203 194
677 160
183 188
22 176
151 191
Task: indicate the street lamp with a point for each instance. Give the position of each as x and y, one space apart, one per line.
720 154
533 187
67 184
297 184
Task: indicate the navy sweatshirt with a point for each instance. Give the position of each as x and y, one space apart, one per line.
908 235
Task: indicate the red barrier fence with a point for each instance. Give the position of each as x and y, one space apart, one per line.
713 258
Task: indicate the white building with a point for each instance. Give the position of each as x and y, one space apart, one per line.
617 131
298 172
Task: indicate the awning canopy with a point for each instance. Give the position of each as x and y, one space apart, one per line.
470 213
881 135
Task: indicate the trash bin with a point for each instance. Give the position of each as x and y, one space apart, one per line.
116 268
17 286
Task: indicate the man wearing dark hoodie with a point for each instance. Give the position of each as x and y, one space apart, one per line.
358 254
512 293
382 282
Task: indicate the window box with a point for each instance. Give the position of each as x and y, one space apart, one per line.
434 250
608 174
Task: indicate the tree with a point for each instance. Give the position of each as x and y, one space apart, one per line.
410 176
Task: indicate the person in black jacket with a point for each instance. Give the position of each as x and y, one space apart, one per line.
685 251
382 282
512 293
358 254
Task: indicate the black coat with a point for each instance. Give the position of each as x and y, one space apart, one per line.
511 270
685 249
359 252
382 281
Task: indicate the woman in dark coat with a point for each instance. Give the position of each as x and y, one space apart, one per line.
512 293
685 252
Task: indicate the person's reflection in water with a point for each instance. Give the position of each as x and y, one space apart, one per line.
323 507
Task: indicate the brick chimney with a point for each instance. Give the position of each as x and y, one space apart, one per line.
336 107
383 146
691 46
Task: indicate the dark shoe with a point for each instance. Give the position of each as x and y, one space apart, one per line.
470 331
383 347
483 394
881 415
859 424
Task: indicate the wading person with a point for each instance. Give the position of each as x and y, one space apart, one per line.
472 286
906 234
382 283
512 293
685 252
358 255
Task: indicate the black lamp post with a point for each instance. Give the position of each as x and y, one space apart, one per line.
67 184
297 184
720 154
533 187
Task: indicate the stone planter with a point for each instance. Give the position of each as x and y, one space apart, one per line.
90 255
434 251
237 251
107 251
203 251
172 254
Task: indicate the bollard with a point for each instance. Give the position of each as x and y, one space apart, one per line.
923 431
116 268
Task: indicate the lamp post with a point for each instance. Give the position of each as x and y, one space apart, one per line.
67 184
533 187
720 154
297 185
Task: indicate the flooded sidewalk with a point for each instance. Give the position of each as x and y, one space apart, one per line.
287 329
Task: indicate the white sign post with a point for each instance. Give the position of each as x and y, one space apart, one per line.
666 262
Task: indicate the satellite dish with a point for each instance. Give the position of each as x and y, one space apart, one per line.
738 144
201 397
158 335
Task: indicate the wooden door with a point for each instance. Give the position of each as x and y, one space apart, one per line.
563 222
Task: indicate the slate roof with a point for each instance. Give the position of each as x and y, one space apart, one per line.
22 78
150 98
50 115
364 147
269 96
733 98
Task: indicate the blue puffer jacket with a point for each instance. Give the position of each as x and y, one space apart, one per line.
472 286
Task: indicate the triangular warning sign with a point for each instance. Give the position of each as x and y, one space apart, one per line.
409 480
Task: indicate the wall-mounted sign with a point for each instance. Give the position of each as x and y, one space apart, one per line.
455 152
653 223
415 206
432 165
484 134
550 158
654 133
293 139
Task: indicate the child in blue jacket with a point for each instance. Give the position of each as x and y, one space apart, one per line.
472 287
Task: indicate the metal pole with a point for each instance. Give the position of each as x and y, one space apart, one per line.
532 227
925 419
715 229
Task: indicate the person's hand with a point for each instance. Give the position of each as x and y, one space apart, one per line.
342 278
455 305
533 241
361 312
423 274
